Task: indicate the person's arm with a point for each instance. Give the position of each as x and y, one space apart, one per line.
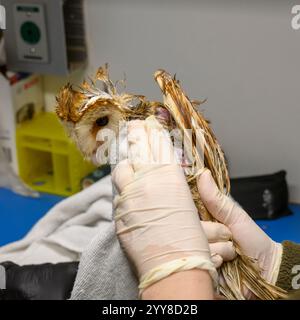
279 262
157 222
184 285
261 248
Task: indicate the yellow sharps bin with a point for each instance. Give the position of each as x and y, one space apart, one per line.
48 160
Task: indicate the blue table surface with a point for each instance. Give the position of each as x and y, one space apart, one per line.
18 214
285 228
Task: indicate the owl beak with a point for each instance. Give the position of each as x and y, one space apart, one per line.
98 144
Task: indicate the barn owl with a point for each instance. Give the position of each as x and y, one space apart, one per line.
87 110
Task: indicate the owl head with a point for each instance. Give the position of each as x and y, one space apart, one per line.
88 110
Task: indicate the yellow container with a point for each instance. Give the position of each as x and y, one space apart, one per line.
48 160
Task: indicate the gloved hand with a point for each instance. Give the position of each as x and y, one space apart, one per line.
246 233
219 240
156 220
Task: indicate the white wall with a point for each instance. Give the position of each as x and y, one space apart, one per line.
243 56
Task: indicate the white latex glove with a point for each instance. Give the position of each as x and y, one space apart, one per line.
219 239
156 220
246 233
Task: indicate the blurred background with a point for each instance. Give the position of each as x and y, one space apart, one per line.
242 56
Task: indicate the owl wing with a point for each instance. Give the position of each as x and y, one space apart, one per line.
205 149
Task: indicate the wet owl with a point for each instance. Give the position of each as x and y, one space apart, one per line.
87 110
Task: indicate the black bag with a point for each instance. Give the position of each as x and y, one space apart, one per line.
262 197
45 281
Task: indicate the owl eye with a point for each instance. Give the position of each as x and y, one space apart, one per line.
103 121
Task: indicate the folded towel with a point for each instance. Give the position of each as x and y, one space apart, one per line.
81 227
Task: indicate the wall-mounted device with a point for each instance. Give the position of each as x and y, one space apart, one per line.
45 36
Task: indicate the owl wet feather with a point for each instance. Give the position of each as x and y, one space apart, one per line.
86 110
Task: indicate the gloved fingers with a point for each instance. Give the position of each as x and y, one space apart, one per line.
224 249
217 260
218 204
139 150
216 232
209 194
160 142
122 175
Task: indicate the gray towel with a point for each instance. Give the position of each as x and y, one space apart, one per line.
81 227
104 271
